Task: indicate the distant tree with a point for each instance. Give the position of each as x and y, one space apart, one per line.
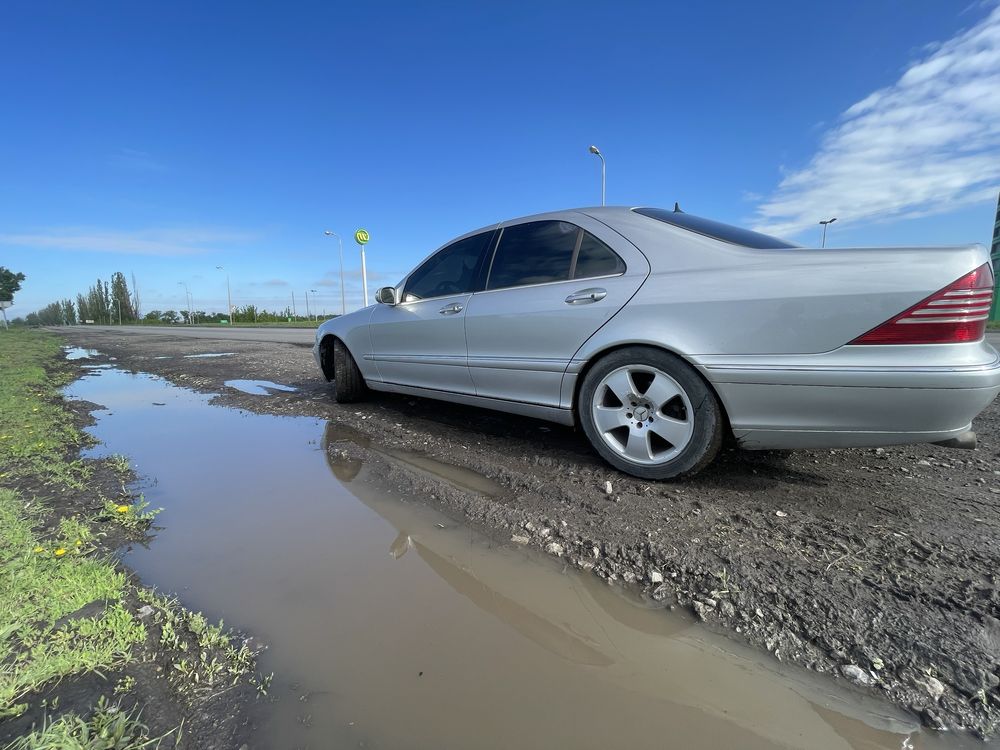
170 316
68 312
120 300
153 315
83 309
31 319
50 315
10 283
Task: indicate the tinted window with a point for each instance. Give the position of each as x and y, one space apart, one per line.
452 270
533 253
596 259
715 229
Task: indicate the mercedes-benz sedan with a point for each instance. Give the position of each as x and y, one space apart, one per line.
657 331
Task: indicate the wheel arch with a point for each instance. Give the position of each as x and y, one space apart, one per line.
326 361
597 356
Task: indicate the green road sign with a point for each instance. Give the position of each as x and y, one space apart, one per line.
361 236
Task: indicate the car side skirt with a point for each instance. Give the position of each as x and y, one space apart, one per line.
548 413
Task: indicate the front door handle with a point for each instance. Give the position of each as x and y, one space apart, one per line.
586 295
451 309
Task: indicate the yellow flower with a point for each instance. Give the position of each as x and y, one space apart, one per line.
78 542
35 409
123 508
60 552
39 549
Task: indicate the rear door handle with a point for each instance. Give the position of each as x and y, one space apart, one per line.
586 295
451 309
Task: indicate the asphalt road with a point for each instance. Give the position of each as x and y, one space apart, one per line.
271 335
267 335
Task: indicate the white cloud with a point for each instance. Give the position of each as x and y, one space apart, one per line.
927 144
167 242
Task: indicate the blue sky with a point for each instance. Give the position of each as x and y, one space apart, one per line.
165 139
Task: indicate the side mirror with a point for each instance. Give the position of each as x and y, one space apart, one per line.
386 295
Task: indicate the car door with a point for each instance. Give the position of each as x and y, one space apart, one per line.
550 285
421 340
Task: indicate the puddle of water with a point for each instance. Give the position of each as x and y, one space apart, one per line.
213 354
345 469
259 387
75 352
386 630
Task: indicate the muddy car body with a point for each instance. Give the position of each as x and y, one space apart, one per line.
657 331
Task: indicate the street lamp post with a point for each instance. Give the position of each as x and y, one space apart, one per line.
343 297
229 294
308 314
315 315
825 224
187 300
597 152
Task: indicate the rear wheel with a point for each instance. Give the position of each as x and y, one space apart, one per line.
348 384
648 413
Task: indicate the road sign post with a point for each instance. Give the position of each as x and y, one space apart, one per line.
362 237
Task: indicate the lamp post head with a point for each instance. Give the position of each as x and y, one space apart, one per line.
829 221
328 233
595 150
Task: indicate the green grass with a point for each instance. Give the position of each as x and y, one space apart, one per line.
45 580
36 432
108 728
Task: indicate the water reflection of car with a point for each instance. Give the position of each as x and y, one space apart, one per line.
658 331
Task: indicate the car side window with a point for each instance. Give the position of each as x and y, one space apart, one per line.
594 258
451 270
533 253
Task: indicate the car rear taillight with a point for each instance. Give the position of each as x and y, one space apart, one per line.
956 314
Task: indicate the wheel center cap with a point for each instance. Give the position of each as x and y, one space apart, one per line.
640 413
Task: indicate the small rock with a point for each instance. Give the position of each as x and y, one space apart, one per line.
932 685
710 602
656 576
780 513
607 488
727 609
702 610
554 548
528 526
545 532
923 462
144 611
596 552
518 539
857 675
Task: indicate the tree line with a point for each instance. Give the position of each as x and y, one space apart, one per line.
112 302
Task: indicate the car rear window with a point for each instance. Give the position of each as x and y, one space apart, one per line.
715 229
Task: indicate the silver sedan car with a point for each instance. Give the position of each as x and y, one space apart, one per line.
657 332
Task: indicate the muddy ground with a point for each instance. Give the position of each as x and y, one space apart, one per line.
875 566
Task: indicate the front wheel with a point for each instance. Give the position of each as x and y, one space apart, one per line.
348 383
649 414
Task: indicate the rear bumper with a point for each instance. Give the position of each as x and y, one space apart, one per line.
829 406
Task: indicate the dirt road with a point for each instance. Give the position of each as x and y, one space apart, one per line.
877 566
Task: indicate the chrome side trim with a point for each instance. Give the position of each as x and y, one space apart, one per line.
516 363
418 359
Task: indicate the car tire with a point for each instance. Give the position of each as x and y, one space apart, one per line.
649 414
348 384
